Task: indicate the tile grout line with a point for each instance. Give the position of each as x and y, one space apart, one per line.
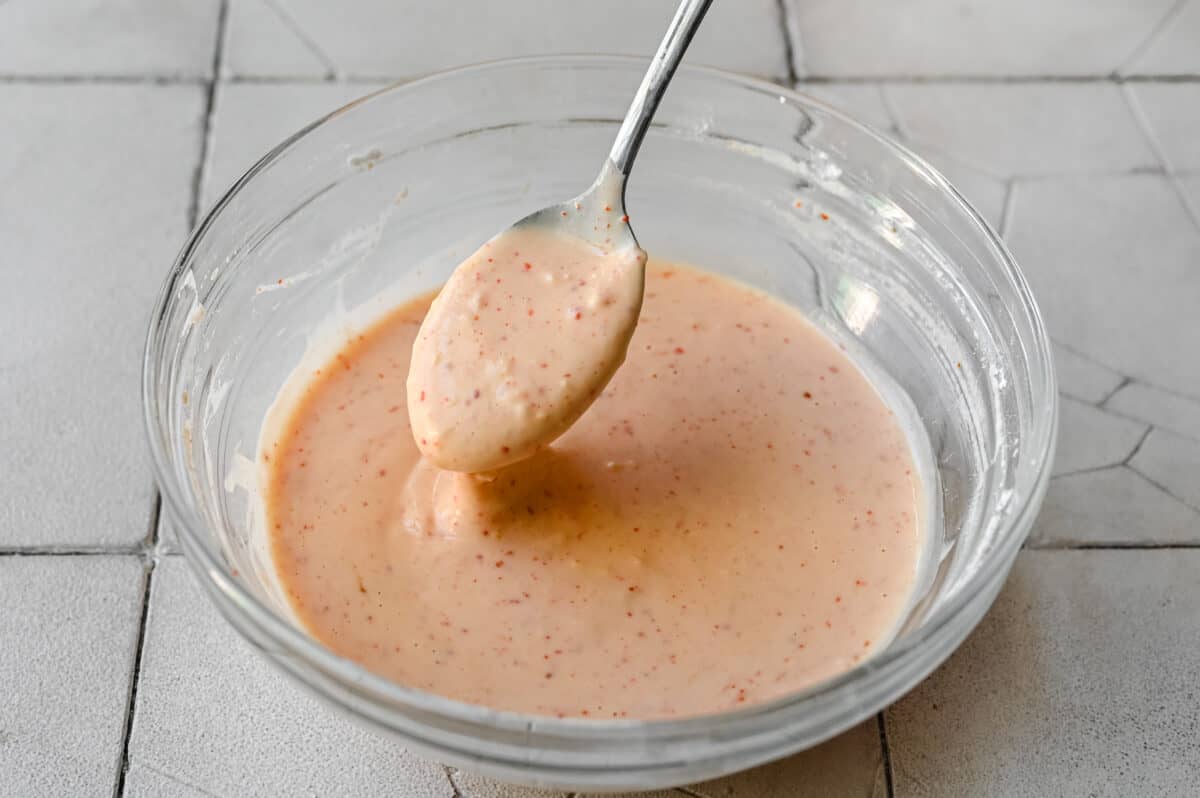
1125 381
892 80
1085 546
74 551
206 129
888 776
1152 37
1006 212
791 51
152 543
1159 486
893 112
103 80
309 42
1160 154
1138 447
139 650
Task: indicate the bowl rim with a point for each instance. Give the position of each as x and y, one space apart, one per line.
1030 474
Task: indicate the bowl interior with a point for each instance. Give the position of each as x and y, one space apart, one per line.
385 197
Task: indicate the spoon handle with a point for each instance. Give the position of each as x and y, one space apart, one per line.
654 84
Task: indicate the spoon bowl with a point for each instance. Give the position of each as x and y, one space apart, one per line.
501 369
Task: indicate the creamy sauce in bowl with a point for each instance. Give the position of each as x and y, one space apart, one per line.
736 517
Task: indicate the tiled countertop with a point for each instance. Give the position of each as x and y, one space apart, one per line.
1073 125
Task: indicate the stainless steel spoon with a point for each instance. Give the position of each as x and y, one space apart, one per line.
575 216
486 389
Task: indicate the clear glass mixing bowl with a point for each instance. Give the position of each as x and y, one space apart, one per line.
386 195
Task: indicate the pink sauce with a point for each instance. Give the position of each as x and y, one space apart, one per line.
518 344
736 517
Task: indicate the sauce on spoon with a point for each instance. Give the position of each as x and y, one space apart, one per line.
518 344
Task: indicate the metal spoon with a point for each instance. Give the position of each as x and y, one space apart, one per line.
487 389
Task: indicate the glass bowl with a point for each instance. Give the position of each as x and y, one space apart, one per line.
384 197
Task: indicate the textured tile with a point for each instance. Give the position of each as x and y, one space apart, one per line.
1173 463
850 764
1175 50
1190 185
144 781
69 627
654 793
862 101
262 40
387 38
471 786
1009 129
1112 262
165 38
80 280
970 37
1173 112
251 118
1083 378
215 716
1090 438
1113 506
1080 681
1157 407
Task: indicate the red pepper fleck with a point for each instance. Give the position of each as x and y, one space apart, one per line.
499 563
528 266
825 217
625 218
808 394
679 350
503 450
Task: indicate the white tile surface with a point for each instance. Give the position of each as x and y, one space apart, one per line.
472 786
850 764
68 633
167 38
1090 438
214 715
1082 378
1175 50
1190 186
94 188
1158 407
394 38
261 39
1173 112
971 37
1115 506
1112 263
251 118
1009 129
1173 463
650 794
1080 681
144 781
